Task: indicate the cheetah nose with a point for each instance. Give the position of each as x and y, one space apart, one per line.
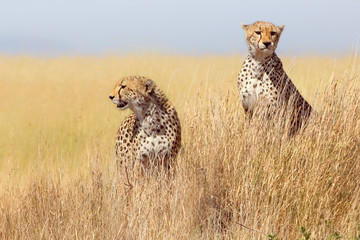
266 44
111 97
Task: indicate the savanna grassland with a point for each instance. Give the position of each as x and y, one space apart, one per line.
234 179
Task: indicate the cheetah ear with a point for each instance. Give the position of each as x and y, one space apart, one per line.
282 28
244 26
149 85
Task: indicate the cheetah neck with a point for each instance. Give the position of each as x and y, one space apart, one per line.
261 58
159 98
158 104
259 65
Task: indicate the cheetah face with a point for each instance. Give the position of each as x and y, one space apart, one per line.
132 92
262 37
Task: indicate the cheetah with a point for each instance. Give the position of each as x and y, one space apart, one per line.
262 79
152 134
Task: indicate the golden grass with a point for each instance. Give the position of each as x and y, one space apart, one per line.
234 179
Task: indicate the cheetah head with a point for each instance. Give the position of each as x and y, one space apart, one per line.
262 37
132 92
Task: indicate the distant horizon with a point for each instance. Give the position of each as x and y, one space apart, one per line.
42 28
354 52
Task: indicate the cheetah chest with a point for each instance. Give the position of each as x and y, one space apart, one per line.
255 85
153 140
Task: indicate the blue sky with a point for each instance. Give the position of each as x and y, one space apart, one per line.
43 27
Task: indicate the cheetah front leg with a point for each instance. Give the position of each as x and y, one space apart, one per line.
124 142
248 101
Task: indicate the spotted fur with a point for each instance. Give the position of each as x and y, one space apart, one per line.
262 79
152 134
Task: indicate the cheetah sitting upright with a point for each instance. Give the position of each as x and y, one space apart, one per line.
152 134
262 79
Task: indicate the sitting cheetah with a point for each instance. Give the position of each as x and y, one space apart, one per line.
152 134
262 79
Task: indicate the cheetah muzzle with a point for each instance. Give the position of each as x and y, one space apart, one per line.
122 105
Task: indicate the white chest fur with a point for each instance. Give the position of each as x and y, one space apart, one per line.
153 137
154 146
254 84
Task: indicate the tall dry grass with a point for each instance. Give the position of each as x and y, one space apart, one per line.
235 179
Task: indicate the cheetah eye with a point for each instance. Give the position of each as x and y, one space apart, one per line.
258 32
122 87
273 33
